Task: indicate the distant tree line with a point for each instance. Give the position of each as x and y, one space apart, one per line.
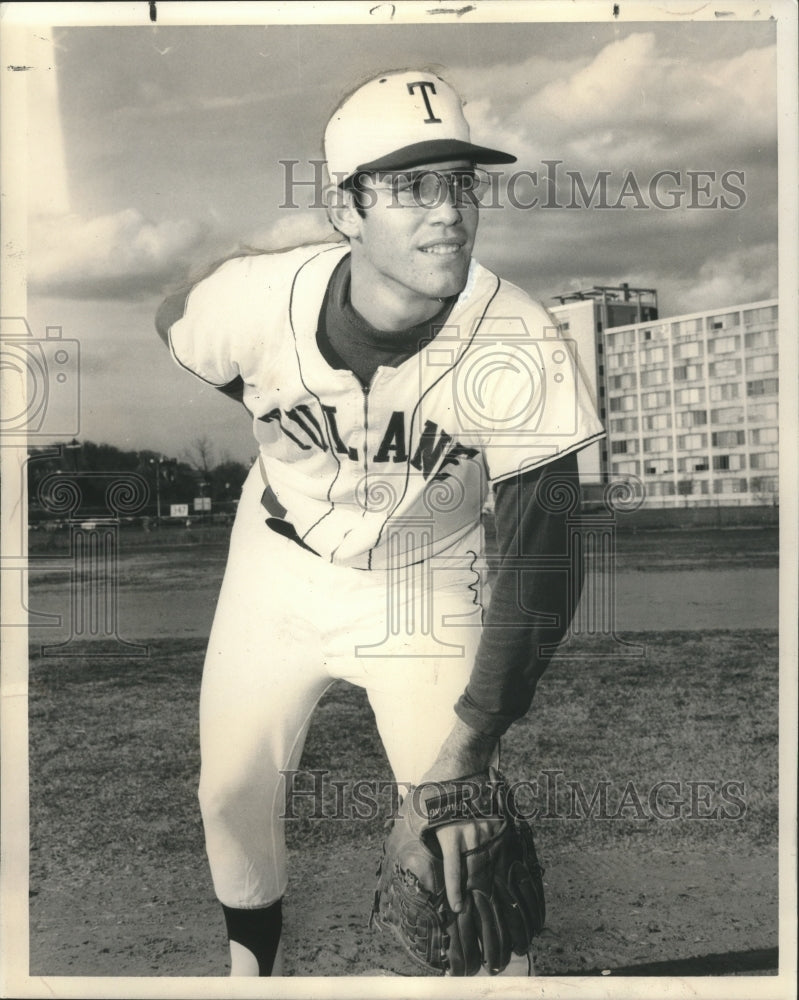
161 480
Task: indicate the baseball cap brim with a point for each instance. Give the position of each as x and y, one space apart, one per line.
435 151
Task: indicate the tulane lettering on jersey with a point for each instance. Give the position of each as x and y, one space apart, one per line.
301 426
496 391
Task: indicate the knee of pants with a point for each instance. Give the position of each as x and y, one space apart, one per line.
230 802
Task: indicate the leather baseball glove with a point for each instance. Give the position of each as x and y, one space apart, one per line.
503 898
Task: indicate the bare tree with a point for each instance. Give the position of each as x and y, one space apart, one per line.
200 455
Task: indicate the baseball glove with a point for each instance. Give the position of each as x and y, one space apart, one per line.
503 898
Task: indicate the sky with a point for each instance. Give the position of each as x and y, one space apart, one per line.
156 150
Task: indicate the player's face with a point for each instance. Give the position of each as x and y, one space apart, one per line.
410 250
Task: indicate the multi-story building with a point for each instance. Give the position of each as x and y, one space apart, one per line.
583 316
690 403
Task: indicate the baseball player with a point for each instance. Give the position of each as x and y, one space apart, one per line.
394 384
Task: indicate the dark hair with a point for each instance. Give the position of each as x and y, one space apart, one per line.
360 198
355 186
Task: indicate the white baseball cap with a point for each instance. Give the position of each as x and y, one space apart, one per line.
400 120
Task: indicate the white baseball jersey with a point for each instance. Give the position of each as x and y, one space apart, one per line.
399 472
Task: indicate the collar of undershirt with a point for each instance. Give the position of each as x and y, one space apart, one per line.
407 341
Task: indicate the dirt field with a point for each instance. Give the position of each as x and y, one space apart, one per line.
677 882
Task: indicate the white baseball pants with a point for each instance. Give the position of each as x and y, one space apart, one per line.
287 625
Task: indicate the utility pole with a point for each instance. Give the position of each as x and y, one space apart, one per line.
73 446
157 462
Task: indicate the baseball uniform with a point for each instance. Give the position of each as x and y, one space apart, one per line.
357 551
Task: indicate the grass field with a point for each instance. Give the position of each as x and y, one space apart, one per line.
642 549
114 765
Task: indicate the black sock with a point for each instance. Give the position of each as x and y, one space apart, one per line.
258 931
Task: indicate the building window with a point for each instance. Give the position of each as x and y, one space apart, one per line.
762 411
687 373
626 381
690 349
729 486
657 422
624 360
686 327
764 484
659 467
653 356
661 489
761 338
725 392
657 444
761 363
622 404
728 415
650 400
728 439
764 435
724 369
688 442
657 377
764 460
628 467
764 314
692 463
729 463
724 322
686 396
624 425
692 418
723 345
763 387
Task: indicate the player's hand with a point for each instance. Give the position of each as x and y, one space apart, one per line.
464 752
454 841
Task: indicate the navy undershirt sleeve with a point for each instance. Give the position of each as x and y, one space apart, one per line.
528 608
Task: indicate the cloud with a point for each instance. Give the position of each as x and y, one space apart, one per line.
745 274
694 257
608 83
294 228
636 106
155 102
119 256
632 102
